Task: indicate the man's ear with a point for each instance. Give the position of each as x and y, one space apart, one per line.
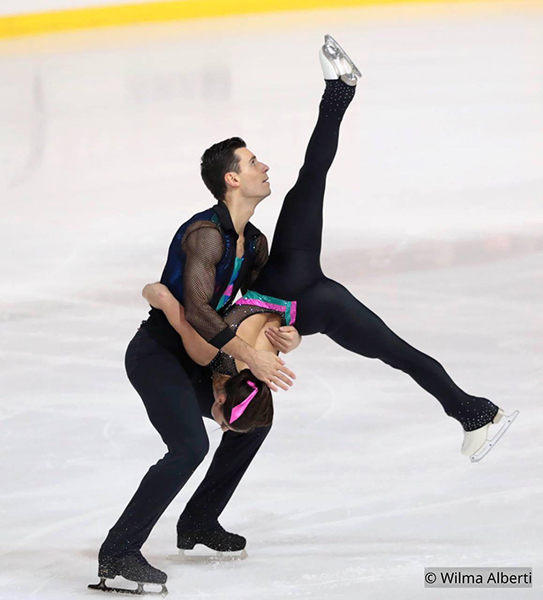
232 179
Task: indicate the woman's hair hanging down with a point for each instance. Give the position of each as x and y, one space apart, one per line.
259 412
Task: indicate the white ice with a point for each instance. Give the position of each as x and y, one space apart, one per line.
434 219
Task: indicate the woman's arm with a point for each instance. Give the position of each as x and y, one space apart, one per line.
284 339
159 296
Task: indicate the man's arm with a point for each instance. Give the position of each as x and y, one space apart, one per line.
204 248
159 296
283 339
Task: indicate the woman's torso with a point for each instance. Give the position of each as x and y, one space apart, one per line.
251 330
249 317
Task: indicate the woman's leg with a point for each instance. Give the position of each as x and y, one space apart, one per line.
300 222
294 261
332 309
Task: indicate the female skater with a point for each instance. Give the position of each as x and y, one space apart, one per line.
292 288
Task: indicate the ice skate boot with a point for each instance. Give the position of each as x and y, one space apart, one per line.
134 568
477 444
213 543
336 63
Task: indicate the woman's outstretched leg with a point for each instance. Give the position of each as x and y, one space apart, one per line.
299 226
294 262
339 315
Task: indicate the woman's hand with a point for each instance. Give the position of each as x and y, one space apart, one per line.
156 294
284 339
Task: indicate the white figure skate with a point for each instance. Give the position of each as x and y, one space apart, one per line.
336 63
477 444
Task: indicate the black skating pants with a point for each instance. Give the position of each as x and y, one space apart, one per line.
177 393
293 272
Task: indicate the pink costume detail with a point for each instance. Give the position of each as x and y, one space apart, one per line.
277 307
238 410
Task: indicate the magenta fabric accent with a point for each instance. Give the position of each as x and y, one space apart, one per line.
277 307
292 312
238 410
261 303
228 291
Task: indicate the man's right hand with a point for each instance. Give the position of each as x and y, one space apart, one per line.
271 369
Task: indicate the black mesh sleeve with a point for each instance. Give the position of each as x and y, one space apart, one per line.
204 248
261 258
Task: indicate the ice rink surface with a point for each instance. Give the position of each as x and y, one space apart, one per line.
434 219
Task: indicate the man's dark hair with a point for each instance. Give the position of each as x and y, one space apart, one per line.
259 412
217 161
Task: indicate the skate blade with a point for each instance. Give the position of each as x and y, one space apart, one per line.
490 443
334 52
139 591
201 553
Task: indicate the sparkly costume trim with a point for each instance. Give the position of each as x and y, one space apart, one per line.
228 291
286 306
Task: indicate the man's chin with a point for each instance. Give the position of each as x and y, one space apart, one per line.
264 197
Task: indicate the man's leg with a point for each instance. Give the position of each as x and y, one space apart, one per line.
232 458
173 409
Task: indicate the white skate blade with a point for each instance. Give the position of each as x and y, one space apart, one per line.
341 62
141 590
201 553
490 443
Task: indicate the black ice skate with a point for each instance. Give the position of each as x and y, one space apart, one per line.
134 568
212 543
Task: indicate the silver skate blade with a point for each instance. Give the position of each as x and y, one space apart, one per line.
334 53
507 420
201 553
139 591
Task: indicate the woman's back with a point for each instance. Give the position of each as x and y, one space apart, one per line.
248 318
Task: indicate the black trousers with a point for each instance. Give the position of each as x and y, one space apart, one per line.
176 393
293 272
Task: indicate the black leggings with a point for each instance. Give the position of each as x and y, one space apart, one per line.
293 272
176 393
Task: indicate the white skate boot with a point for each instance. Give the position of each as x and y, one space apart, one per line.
477 444
336 64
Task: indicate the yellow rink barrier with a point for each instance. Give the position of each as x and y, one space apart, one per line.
149 12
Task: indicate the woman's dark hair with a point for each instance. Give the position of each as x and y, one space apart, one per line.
259 412
217 161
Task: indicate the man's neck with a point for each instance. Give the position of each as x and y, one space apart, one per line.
240 213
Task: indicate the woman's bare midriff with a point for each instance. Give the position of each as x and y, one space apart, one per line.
251 330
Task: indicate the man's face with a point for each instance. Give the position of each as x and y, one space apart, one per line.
252 178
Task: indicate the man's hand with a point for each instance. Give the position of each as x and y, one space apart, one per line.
271 369
284 339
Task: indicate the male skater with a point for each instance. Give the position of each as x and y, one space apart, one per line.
212 256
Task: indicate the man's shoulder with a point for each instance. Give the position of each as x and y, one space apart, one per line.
208 214
202 220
